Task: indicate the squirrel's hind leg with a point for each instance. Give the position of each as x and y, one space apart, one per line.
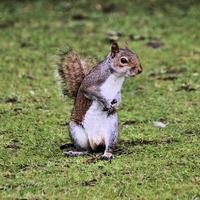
111 137
79 139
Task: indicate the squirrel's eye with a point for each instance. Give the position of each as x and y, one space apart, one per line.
124 60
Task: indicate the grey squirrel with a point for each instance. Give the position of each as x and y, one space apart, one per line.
97 94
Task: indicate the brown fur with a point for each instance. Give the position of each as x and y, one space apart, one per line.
72 71
82 82
85 87
89 84
133 61
81 106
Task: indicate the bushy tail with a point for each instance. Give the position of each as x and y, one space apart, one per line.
72 71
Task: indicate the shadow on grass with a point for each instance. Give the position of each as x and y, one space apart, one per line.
125 144
122 148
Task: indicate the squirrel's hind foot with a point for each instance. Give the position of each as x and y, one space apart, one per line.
75 153
107 156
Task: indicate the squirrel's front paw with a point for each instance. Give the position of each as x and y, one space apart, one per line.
114 103
110 109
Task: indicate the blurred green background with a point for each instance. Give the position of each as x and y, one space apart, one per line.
150 162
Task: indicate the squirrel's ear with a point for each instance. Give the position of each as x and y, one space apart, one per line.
126 45
114 49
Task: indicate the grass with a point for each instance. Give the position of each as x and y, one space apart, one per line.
150 163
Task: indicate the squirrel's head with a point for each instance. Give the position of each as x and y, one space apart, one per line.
124 61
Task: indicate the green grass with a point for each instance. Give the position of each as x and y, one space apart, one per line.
150 163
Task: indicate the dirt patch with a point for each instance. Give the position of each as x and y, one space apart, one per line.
154 44
91 182
12 99
6 24
187 88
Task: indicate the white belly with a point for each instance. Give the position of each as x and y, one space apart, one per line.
111 87
96 125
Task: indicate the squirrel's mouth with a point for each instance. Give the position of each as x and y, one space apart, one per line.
133 72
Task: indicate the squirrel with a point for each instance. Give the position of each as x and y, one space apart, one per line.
97 94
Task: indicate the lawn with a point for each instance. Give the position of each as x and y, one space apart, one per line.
150 163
